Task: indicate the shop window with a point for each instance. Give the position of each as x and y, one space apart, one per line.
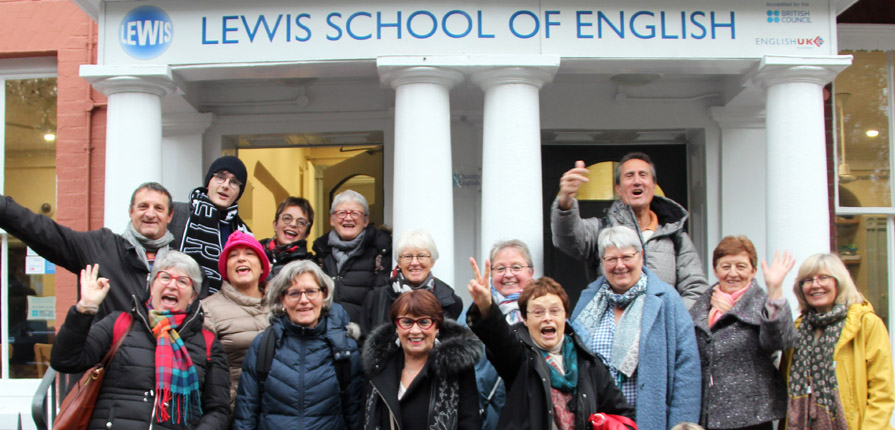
865 212
29 176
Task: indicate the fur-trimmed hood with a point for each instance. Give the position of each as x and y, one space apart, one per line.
456 350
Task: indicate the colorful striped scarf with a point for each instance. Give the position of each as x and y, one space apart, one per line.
176 381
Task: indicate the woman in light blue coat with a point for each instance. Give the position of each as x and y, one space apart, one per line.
639 327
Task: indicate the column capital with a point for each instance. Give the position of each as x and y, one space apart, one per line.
776 70
186 123
537 76
110 80
420 75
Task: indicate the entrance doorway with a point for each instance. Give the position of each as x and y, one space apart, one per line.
315 166
560 150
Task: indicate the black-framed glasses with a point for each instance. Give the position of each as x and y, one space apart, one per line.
407 258
295 295
345 214
624 258
821 279
287 219
514 269
223 177
406 322
180 281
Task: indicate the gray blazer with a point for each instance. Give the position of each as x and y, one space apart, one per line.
669 253
741 387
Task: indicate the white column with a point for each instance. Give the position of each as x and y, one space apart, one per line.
133 132
512 207
423 193
796 172
742 173
182 148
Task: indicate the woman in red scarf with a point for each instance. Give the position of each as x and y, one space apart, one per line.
165 374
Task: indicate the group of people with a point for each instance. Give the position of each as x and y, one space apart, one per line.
335 338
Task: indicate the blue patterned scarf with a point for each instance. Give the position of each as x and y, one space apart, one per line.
509 305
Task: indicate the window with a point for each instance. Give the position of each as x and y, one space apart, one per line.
28 105
863 136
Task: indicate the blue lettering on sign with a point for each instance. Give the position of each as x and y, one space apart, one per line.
534 31
145 32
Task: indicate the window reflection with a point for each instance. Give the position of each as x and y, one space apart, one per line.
862 130
30 178
862 246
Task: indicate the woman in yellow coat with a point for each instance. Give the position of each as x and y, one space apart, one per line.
840 370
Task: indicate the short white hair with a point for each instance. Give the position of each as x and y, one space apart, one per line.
350 196
620 237
416 239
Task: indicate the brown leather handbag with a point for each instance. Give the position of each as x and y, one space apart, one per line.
77 407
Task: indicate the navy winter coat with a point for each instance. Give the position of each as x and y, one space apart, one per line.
302 390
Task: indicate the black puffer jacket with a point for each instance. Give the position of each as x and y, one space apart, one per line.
73 250
362 272
442 396
127 400
522 366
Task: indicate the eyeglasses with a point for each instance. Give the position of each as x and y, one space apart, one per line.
406 322
821 279
625 258
287 219
221 178
295 295
345 214
515 269
540 312
180 281
407 258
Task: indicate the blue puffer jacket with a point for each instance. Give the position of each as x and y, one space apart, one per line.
302 390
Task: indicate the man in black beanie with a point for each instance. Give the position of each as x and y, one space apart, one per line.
201 226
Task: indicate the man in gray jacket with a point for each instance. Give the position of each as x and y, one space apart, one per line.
659 221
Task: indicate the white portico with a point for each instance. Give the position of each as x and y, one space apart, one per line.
464 95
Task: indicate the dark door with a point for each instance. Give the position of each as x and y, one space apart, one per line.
671 171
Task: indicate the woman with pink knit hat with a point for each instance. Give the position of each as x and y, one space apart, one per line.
239 311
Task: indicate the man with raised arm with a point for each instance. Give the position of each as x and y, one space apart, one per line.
124 259
658 221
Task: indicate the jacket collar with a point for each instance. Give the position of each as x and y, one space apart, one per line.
252 305
747 309
672 216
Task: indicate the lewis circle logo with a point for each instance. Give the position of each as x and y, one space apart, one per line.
146 32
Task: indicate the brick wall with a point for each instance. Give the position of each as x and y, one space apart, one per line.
58 28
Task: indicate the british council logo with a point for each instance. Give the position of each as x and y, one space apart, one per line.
146 32
773 16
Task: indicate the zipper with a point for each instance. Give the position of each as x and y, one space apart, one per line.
391 413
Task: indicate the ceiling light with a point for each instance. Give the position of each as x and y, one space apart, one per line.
872 133
50 137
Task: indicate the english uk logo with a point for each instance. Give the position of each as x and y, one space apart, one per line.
146 32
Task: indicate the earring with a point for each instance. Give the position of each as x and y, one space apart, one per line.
398 342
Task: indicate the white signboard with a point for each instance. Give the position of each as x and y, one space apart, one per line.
37 265
230 31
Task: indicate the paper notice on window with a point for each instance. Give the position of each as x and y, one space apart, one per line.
37 265
41 308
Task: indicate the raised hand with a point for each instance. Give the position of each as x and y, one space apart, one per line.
480 286
774 274
93 289
569 184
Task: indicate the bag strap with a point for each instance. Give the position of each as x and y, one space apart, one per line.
209 341
265 357
123 324
484 410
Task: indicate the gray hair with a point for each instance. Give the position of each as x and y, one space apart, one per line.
350 196
280 283
416 239
516 244
620 237
634 156
180 261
